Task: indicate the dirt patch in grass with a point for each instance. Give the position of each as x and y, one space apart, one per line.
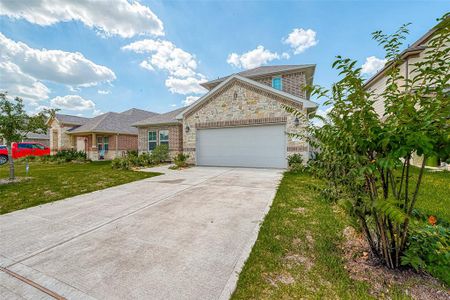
297 259
383 280
15 180
275 279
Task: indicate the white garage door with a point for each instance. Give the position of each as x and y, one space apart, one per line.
257 146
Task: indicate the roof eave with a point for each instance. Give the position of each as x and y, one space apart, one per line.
155 124
100 132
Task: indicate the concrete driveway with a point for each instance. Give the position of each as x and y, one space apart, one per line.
182 235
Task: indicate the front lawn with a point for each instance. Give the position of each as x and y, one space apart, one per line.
297 254
300 252
434 194
51 182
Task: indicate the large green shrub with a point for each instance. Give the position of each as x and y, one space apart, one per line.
366 158
180 160
428 249
160 154
295 163
132 160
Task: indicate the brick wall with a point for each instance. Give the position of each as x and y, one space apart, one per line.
175 137
292 83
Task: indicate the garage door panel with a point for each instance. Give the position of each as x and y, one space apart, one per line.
257 146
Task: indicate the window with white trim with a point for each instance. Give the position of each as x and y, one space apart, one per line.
164 137
152 140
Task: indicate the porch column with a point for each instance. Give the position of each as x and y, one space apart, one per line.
94 150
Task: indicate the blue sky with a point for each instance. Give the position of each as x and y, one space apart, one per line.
90 58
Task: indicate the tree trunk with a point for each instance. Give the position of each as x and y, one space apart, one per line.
11 162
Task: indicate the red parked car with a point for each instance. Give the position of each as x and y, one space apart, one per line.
23 149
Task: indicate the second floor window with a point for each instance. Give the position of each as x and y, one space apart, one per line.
277 83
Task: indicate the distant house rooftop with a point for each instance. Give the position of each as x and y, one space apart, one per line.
112 122
166 118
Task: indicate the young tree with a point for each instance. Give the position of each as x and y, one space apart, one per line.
15 124
367 159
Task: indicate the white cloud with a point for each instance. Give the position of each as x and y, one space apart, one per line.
19 84
184 86
104 92
70 68
285 55
164 55
179 64
300 39
189 100
72 102
372 65
118 17
252 59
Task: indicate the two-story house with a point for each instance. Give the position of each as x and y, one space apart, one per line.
241 120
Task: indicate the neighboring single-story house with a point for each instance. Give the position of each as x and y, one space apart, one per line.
106 136
241 121
33 137
39 138
58 128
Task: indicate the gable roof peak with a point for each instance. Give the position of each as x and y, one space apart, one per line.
308 104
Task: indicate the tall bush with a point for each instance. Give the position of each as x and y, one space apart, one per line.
362 154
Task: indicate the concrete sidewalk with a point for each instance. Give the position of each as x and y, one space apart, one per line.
181 235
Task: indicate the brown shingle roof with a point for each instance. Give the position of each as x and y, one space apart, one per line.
166 118
114 122
69 119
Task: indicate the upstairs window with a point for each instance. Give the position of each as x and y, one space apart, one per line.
152 140
277 83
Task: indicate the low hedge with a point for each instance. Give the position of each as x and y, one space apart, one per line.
132 160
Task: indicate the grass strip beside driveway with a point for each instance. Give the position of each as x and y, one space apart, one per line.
51 182
297 253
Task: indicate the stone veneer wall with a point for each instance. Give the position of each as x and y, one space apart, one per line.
292 83
64 141
242 105
175 137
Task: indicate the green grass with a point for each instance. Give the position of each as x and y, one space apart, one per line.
299 244
434 194
298 254
51 182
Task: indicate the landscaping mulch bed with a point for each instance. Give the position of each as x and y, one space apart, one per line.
382 280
